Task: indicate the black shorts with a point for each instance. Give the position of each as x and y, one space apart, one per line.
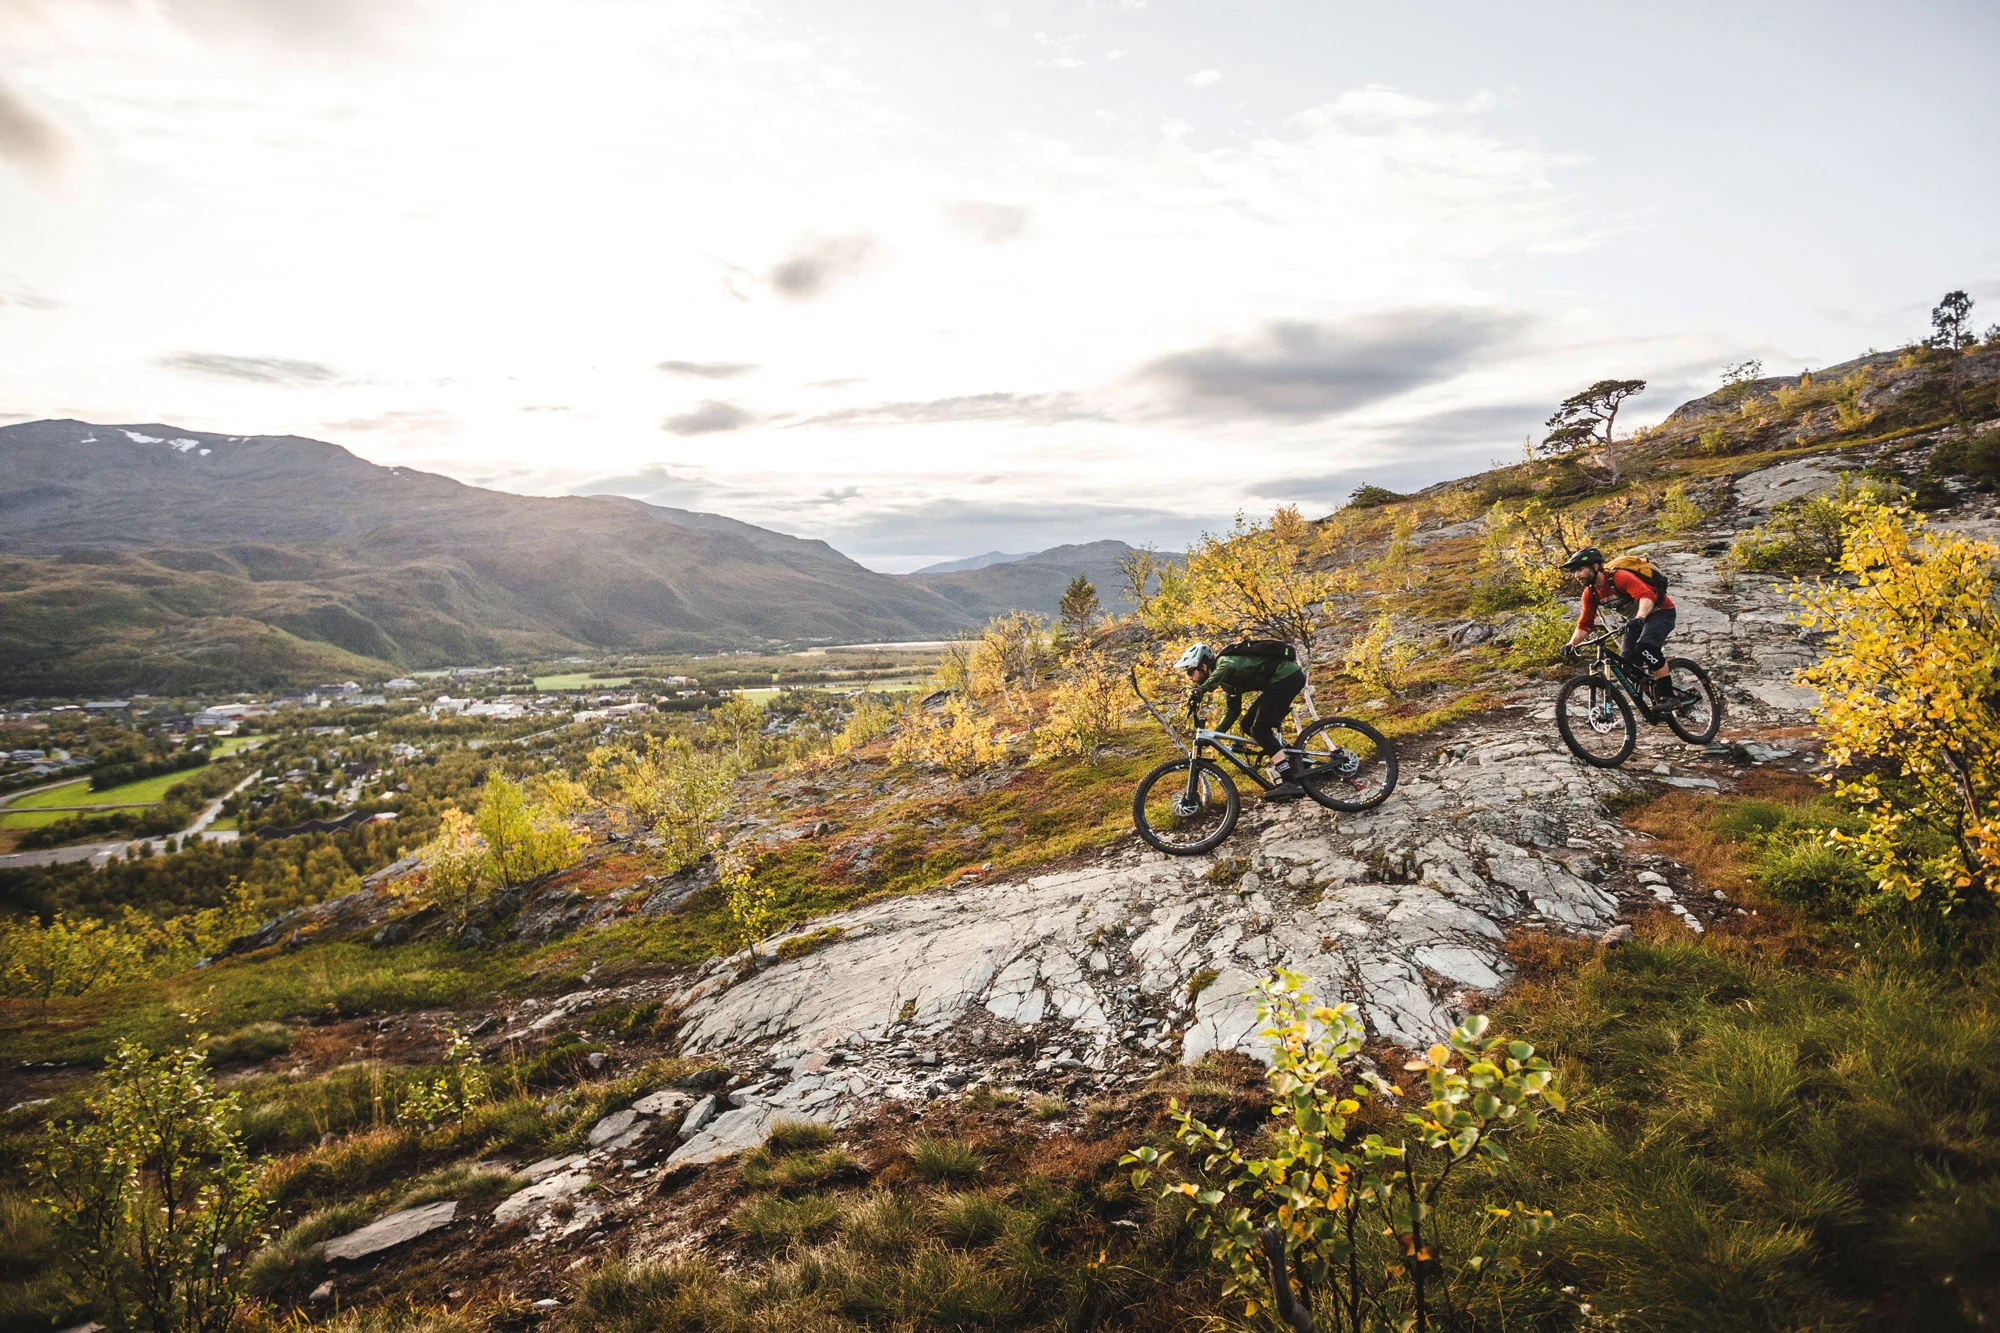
1645 638
1273 703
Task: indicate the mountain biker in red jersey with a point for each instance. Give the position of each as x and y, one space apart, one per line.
1276 682
1648 610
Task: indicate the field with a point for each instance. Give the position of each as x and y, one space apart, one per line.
35 810
581 680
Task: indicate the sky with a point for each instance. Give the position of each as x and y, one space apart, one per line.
926 279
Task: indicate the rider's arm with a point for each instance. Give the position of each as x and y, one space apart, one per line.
1234 710
1586 619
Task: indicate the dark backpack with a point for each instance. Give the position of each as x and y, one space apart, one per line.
1271 650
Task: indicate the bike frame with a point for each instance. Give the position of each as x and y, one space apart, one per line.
1220 743
1613 667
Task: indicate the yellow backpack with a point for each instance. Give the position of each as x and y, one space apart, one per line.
1645 569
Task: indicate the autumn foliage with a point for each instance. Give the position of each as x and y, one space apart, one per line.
1908 689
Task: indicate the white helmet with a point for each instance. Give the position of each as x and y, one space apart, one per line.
1197 655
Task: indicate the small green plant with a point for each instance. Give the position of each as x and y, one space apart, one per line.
969 1220
1541 636
1678 511
250 1044
943 1158
446 1099
155 1198
1380 660
775 1222
1714 440
798 946
1351 1229
1373 497
752 904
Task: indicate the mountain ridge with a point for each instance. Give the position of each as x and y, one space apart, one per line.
182 553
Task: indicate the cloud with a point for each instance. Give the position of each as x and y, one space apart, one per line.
404 420
262 369
28 138
711 417
1033 409
995 224
317 26
1062 50
707 370
1300 370
18 294
901 533
809 270
1203 78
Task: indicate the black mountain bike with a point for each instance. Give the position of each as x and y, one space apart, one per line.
1187 806
1594 710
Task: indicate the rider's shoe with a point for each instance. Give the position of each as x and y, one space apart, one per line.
1673 698
1288 788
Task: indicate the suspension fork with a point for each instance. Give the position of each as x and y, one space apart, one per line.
1194 773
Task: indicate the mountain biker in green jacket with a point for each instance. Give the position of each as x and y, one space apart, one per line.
1274 680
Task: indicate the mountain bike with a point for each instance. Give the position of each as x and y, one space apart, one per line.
1187 806
1594 711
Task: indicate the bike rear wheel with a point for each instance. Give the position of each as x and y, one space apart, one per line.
1595 721
1698 722
1180 821
1348 765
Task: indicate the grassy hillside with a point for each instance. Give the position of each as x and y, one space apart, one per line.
1779 1084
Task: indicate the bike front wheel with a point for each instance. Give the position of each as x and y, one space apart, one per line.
1697 722
1348 765
1595 721
1182 815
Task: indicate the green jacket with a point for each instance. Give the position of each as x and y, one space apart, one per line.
1237 676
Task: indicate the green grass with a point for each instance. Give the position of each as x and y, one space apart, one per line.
1760 1146
146 791
322 981
31 818
581 680
938 1158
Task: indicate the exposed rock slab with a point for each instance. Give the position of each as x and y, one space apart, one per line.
388 1232
542 1196
1399 911
730 1133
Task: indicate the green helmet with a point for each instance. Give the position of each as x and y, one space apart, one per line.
1589 555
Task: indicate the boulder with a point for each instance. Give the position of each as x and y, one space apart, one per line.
391 1231
730 1133
666 1104
539 1198
698 1117
618 1129
549 1166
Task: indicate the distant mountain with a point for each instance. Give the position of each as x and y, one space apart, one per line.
1033 582
973 562
135 557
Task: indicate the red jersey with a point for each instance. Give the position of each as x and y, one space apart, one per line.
1626 590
